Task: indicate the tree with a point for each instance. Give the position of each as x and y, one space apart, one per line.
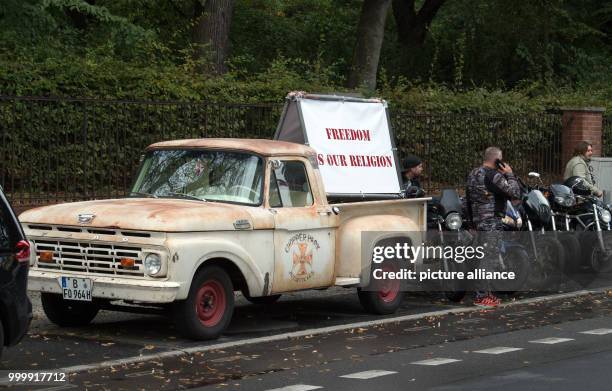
210 33
412 26
370 34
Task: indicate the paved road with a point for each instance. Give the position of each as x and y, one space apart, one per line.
115 335
252 355
394 350
571 356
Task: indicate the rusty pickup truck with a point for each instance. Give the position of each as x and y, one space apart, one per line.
206 218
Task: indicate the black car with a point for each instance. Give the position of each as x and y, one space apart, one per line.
15 306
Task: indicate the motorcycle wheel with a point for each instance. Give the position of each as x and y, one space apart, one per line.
515 259
454 290
549 265
594 257
571 244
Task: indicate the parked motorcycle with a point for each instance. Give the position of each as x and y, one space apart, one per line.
444 217
591 216
562 200
530 218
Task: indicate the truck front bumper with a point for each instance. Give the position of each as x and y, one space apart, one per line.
113 288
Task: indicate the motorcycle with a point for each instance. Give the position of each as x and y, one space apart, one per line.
545 249
444 217
591 216
562 200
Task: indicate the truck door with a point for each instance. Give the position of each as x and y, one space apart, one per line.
304 229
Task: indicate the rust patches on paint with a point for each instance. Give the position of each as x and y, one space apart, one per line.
165 215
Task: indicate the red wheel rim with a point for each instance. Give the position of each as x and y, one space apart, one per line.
389 288
210 303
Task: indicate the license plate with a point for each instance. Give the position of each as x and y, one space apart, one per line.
76 288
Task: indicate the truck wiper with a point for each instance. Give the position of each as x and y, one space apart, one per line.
141 194
186 196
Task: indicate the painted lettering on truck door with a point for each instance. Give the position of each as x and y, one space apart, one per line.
304 231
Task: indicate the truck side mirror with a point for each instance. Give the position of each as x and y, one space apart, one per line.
414 192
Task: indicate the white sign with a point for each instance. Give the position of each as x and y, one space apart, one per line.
353 145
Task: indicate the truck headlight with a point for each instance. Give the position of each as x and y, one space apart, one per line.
453 221
605 215
152 264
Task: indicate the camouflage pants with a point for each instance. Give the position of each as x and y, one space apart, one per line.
490 234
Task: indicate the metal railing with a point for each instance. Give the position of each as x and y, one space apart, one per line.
56 150
452 144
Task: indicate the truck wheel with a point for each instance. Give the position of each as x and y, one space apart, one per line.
209 307
261 300
68 313
382 297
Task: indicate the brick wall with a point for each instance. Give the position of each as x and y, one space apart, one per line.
580 124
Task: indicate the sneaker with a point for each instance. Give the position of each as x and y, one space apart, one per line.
488 301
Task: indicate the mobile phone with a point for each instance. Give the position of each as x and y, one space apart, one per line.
501 165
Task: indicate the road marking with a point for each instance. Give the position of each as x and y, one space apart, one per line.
368 374
297 387
597 332
316 331
551 340
498 350
435 361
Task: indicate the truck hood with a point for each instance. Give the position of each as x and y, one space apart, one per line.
149 214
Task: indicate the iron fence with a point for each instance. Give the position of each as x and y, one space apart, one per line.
452 144
56 150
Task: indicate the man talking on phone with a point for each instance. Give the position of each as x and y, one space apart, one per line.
489 187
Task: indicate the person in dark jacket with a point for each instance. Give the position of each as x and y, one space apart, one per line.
489 187
412 168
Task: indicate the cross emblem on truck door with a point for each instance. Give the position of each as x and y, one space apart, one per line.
301 260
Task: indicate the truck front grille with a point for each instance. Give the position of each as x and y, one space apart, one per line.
97 258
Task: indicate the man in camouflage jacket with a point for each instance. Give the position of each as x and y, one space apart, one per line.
489 187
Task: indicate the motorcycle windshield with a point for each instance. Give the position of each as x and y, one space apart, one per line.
450 201
538 206
560 190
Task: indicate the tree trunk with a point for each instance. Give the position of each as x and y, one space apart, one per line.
78 19
210 33
370 34
412 26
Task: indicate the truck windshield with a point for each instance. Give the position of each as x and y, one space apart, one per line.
206 175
